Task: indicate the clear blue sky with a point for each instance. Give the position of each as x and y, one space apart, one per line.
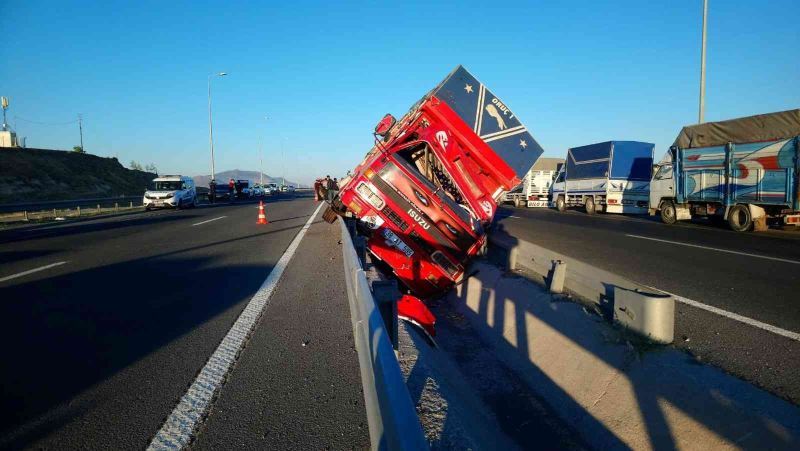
325 72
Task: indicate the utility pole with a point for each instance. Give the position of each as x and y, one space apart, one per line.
261 155
701 114
80 129
210 127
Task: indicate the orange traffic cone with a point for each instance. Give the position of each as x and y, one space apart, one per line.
262 217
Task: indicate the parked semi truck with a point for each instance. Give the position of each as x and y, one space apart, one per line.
427 190
744 171
610 177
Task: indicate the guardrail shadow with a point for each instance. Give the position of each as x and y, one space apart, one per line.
79 331
508 315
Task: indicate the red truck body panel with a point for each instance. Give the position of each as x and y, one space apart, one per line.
425 193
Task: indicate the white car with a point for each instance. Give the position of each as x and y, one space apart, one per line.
170 191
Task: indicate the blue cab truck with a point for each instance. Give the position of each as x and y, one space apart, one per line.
610 177
744 171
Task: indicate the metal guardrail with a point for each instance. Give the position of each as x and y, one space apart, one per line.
73 203
649 313
392 418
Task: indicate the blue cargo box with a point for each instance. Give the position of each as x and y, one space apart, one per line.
628 160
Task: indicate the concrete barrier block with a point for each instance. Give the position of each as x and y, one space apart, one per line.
651 315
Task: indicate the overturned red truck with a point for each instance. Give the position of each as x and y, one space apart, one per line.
425 194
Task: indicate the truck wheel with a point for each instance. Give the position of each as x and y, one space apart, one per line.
590 205
517 202
740 219
561 204
668 213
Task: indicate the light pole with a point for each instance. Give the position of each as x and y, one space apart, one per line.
261 155
703 66
210 127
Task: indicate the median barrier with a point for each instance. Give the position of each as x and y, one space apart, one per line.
391 416
654 315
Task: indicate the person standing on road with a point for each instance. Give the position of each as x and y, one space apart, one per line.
212 191
328 185
334 189
231 189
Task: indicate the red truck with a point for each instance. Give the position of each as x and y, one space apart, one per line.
426 192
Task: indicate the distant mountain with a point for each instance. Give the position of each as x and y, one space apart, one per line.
238 174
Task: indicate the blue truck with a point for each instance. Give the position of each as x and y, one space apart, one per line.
744 171
610 177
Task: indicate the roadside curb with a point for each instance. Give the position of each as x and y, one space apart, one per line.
619 397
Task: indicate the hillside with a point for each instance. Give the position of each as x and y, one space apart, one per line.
40 174
238 174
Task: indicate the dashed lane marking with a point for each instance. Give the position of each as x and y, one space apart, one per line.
204 222
177 430
765 257
31 271
734 316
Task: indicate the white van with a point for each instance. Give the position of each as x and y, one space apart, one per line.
171 191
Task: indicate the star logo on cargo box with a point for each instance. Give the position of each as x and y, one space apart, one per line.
523 144
468 88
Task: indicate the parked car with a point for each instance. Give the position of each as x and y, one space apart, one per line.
170 191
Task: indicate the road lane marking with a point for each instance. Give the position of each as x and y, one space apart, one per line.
765 257
208 221
31 271
177 430
736 317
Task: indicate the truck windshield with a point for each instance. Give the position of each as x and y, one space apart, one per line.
167 186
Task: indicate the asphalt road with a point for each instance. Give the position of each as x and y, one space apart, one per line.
756 275
100 345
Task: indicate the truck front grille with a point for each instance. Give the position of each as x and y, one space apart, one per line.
395 218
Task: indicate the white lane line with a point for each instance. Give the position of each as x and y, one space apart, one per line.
31 271
177 430
765 257
208 221
742 319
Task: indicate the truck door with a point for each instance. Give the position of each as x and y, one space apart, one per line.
662 186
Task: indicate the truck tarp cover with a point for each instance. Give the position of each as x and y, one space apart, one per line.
490 118
632 160
759 128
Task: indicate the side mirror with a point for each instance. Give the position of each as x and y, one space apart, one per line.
385 125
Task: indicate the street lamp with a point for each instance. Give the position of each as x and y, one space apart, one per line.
210 127
701 113
261 155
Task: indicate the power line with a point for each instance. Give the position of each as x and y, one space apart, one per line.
44 123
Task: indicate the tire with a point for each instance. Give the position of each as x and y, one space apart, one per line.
740 219
589 204
517 202
669 215
561 204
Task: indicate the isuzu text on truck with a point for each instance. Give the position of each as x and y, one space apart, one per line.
612 177
744 171
428 189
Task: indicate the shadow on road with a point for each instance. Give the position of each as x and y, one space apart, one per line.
78 331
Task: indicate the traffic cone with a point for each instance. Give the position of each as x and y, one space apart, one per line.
262 217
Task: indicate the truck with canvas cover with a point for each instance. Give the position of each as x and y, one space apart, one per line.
611 177
744 171
427 190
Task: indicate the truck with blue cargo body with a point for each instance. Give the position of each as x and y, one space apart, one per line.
744 171
610 177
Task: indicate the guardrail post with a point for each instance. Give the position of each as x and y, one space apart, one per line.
26 215
116 207
131 205
55 215
98 208
79 211
557 275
